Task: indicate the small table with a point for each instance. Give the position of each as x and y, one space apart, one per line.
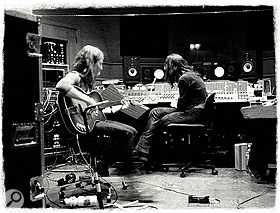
261 128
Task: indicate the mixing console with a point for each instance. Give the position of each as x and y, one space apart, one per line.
152 94
226 91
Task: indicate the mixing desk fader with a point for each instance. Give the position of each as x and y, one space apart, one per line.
152 93
228 91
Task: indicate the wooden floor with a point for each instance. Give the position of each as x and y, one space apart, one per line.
230 189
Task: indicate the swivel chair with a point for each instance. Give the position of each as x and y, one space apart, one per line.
186 131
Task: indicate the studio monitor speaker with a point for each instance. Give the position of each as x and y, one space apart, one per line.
249 62
232 70
218 72
226 71
131 69
147 72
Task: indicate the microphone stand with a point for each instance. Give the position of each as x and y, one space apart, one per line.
95 169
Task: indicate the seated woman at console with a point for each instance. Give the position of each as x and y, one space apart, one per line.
187 109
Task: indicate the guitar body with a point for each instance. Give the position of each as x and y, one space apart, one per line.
71 112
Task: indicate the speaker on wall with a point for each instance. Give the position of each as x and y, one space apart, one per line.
131 69
147 72
218 71
249 64
233 70
226 71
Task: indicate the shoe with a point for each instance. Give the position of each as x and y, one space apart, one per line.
141 156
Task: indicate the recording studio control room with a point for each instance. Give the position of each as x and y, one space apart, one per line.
140 108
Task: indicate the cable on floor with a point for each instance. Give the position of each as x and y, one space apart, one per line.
165 188
245 201
91 171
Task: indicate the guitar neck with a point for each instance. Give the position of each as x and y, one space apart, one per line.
96 96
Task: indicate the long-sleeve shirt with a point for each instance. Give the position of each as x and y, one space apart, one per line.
192 91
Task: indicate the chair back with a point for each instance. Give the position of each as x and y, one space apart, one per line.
209 111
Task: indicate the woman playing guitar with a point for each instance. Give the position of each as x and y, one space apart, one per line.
76 86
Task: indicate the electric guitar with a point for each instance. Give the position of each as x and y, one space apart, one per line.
72 110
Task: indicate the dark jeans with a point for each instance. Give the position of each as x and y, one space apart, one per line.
117 146
158 120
